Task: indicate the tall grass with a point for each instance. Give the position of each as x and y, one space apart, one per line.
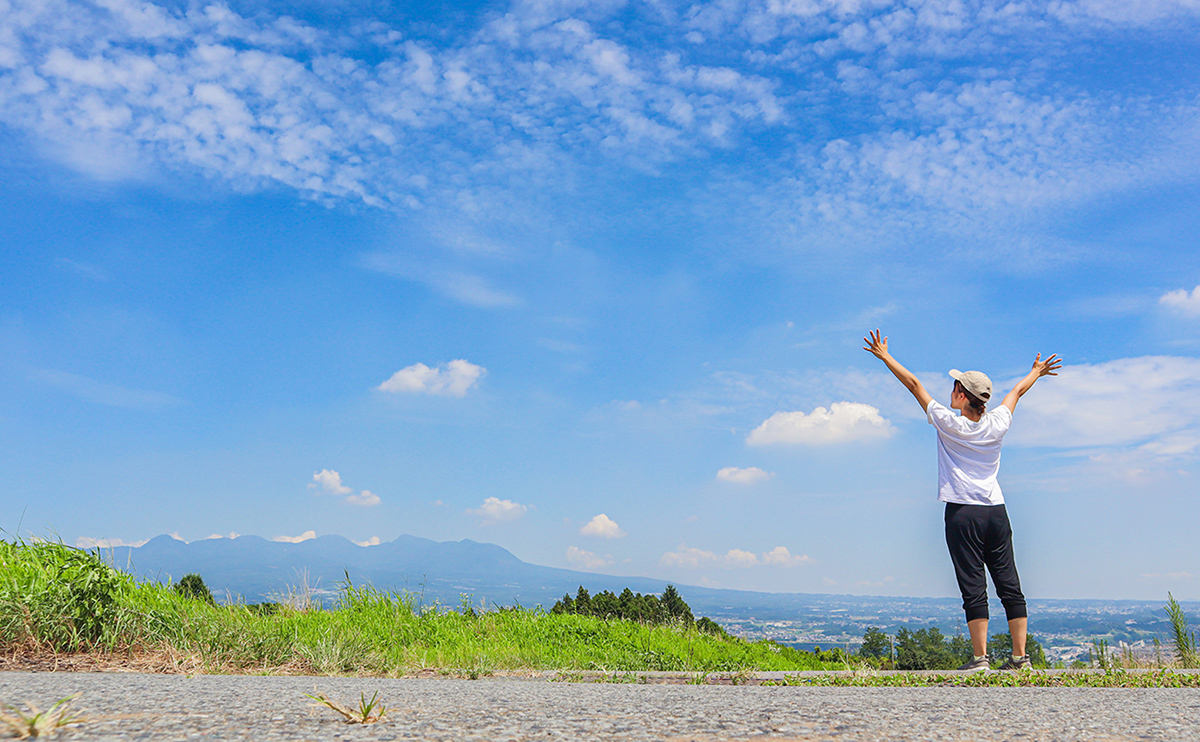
59 599
1186 651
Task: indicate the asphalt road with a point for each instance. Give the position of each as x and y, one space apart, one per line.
128 706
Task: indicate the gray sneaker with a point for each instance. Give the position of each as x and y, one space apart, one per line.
978 663
1016 663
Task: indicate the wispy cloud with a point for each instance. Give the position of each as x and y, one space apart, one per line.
841 423
949 118
453 379
693 558
373 541
84 270
306 536
100 392
581 559
460 285
1151 402
749 475
494 510
85 542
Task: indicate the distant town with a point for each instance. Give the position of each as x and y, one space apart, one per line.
1067 629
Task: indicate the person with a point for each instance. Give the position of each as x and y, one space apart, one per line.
978 533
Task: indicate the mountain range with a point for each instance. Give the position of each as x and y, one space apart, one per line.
252 569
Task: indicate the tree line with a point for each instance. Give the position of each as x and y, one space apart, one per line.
929 649
669 607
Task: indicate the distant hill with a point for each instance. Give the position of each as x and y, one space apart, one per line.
252 569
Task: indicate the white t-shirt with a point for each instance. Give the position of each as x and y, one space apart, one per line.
969 454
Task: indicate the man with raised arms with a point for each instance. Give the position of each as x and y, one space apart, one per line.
977 529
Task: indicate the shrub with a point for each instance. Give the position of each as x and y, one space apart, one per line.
192 586
57 595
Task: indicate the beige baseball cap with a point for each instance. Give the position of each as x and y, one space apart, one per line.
975 382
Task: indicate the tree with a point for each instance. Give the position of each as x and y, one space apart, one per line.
876 644
926 649
583 602
192 586
673 605
709 626
1000 645
566 605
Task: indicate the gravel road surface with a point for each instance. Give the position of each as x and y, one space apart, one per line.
128 706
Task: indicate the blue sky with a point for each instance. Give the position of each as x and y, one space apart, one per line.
589 280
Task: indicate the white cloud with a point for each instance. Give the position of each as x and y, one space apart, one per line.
330 482
693 558
84 542
602 526
232 535
307 535
1152 402
373 541
366 498
476 126
586 559
841 423
782 557
740 558
743 476
689 557
1181 300
452 379
495 510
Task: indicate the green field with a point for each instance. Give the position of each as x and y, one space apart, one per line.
55 599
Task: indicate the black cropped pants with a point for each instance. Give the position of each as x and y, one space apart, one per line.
979 537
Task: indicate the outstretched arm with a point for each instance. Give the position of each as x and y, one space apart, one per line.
877 346
1048 367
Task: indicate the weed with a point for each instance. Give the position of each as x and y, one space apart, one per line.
1185 641
1101 656
741 677
368 711
38 723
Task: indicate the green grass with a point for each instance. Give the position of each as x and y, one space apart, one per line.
54 598
1024 679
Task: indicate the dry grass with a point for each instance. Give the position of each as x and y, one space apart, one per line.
33 722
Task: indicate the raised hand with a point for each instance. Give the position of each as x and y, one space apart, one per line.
876 345
1048 367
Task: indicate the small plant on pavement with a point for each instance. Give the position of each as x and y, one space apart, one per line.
38 723
368 711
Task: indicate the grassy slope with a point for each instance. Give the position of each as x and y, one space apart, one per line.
55 598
